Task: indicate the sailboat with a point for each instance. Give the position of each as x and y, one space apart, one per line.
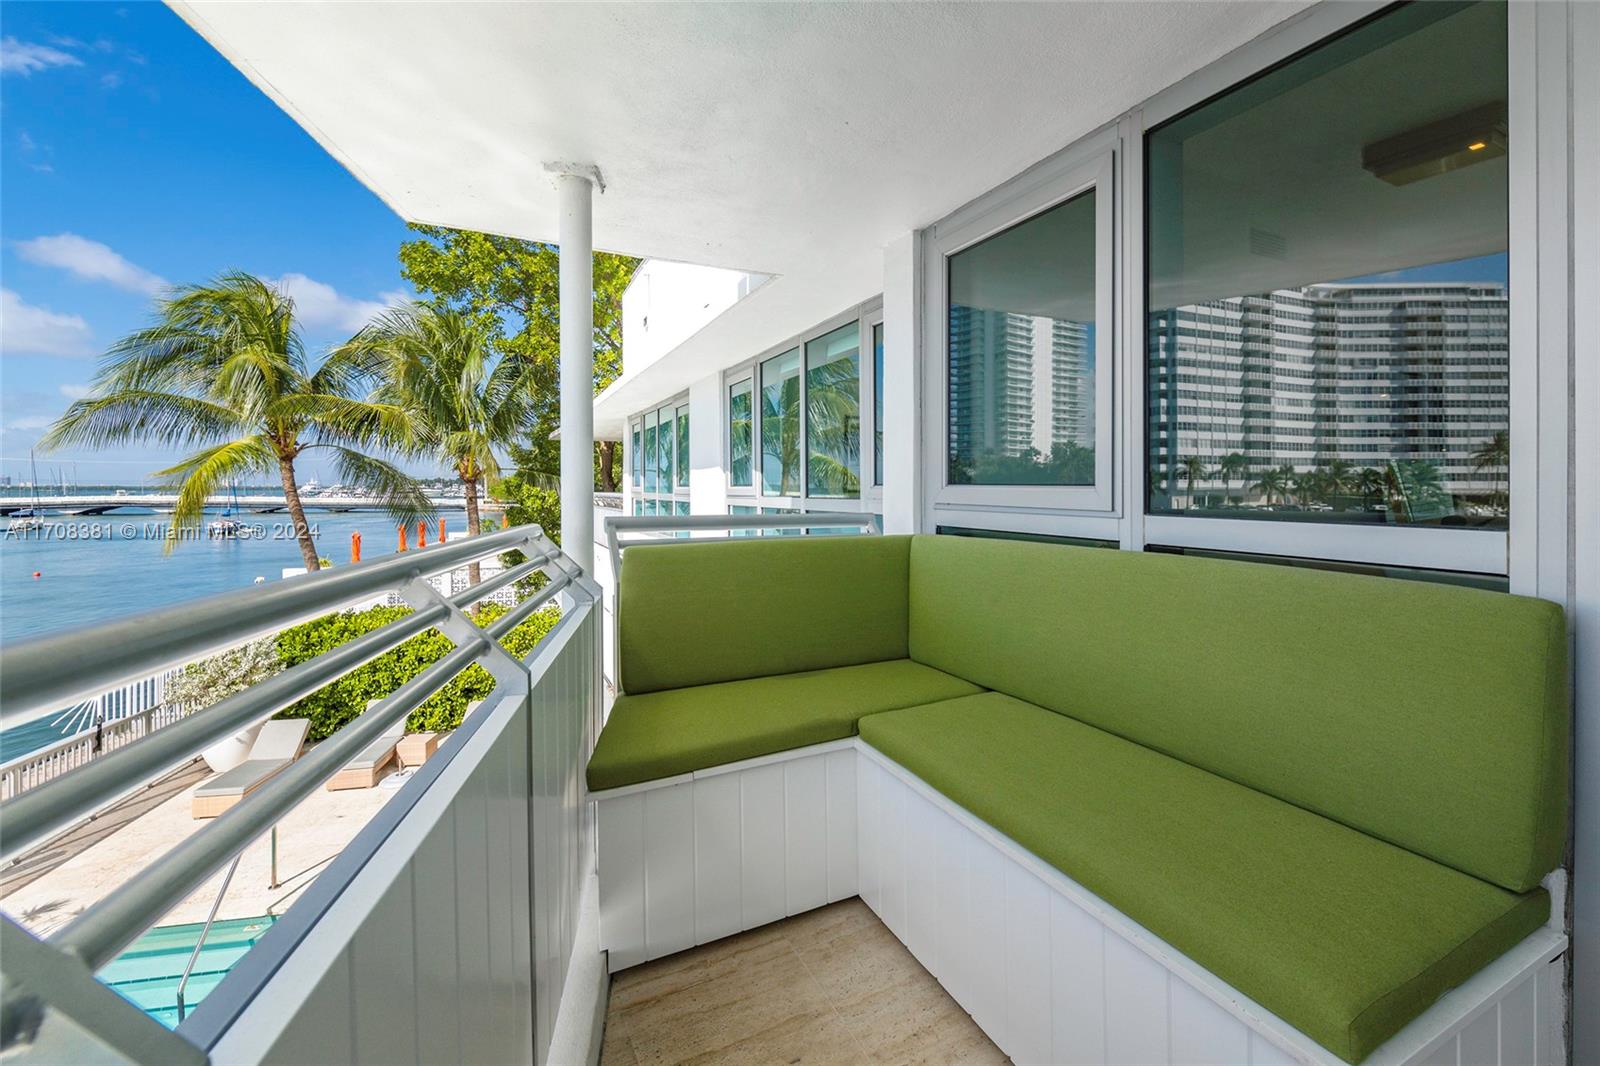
29 517
227 525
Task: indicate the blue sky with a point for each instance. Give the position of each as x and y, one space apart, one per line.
132 155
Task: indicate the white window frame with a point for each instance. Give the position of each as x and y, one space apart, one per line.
1539 224
636 495
745 375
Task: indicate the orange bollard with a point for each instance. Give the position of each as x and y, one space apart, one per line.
442 537
402 538
422 533
355 547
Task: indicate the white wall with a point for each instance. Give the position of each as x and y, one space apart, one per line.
902 388
667 303
708 443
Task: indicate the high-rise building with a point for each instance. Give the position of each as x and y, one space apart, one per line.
1366 374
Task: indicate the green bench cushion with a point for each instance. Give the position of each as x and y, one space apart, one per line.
691 614
1340 934
1431 716
660 734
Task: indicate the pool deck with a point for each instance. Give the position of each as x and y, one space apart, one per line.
308 837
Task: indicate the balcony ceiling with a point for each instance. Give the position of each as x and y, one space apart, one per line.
792 139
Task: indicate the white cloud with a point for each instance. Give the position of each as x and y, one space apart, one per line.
91 261
75 392
23 57
319 305
29 330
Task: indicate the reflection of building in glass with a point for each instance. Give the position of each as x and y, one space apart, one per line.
1018 383
1358 373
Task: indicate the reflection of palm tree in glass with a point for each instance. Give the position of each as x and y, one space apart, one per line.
1274 483
1495 455
833 417
1231 466
1337 477
1416 491
741 429
1371 483
780 437
1192 469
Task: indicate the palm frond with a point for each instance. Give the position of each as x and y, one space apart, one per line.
202 474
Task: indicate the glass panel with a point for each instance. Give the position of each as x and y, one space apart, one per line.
638 507
740 434
666 449
680 507
833 413
877 404
1328 332
683 446
744 510
1022 373
638 474
780 424
650 452
780 532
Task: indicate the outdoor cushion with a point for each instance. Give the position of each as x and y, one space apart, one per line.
1434 717
242 778
1340 934
695 614
665 733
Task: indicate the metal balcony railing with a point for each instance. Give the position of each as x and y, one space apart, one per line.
522 744
621 531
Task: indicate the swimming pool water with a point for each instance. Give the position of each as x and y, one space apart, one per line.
148 972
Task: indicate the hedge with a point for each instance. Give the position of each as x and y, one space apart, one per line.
338 702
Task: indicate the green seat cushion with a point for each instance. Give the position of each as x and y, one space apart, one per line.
661 734
694 614
1431 716
1340 934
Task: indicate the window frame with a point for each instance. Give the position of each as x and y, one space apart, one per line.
636 495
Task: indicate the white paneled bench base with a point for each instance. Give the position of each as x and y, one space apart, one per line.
1054 974
690 859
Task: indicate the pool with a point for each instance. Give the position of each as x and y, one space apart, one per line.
148 973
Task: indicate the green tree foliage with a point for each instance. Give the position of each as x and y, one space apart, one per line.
510 289
223 370
337 703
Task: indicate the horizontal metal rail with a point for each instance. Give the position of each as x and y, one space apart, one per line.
643 525
42 675
43 811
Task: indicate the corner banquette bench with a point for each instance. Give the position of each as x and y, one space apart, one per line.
1125 807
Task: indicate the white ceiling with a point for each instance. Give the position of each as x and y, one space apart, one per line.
794 139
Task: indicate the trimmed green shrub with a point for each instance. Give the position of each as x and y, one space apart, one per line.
338 702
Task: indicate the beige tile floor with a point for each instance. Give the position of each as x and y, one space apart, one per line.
830 986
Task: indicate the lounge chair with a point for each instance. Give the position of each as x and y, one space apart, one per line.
363 770
277 745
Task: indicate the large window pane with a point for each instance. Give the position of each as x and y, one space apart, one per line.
833 413
683 447
1328 300
1022 306
665 449
740 434
877 404
638 475
650 452
780 424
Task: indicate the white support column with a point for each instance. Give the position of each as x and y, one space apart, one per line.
708 443
902 385
576 238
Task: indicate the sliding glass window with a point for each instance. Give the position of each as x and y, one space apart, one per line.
741 434
1328 299
877 404
660 460
683 446
650 452
833 414
780 424
637 474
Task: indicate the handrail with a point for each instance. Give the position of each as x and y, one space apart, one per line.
205 931
43 674
644 524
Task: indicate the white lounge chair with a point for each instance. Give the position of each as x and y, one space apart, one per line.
277 745
363 770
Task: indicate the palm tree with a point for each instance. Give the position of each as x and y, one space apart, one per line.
1495 455
1192 470
223 370
1338 477
462 405
1274 482
1232 465
1308 486
1371 482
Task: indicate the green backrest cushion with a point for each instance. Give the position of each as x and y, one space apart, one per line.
1431 716
696 614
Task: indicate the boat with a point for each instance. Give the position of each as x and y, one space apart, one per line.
227 526
29 517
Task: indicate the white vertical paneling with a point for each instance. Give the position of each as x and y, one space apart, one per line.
1480 1040
805 834
950 845
1443 1055
496 785
922 898
841 821
383 982
1077 986
669 870
986 881
1136 1005
1550 1014
1027 966
1202 1032
869 849
892 856
717 849
1519 1024
1264 1052
472 919
321 1031
761 842
437 1002
621 860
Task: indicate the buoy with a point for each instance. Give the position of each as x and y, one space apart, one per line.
260 580
37 574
